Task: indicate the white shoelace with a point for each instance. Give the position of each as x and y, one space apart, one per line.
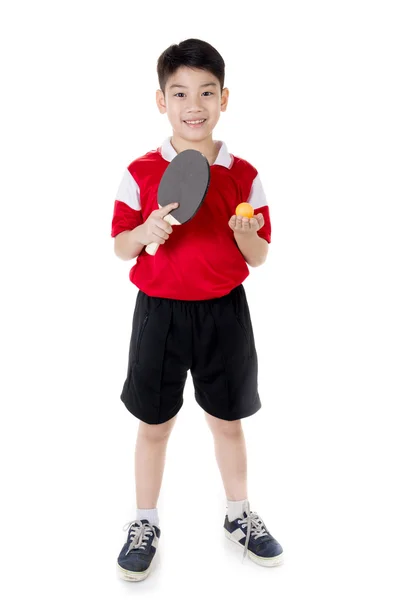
139 535
255 527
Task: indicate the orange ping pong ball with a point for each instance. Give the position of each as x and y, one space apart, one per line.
245 210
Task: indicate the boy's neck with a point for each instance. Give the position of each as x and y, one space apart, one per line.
207 147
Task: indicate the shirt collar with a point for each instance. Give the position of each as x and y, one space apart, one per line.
224 159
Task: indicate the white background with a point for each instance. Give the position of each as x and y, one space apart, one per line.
315 107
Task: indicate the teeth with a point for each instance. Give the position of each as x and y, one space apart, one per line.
196 122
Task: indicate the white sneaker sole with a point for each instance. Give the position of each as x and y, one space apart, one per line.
264 562
132 575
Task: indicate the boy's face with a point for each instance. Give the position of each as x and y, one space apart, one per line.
193 102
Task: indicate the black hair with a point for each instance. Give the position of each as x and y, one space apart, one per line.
190 53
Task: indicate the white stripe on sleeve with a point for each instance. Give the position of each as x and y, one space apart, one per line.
257 196
128 191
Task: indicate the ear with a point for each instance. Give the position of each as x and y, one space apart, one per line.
224 99
161 102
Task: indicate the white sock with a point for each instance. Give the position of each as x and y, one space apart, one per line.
151 514
236 508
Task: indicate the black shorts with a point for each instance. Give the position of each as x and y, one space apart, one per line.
211 338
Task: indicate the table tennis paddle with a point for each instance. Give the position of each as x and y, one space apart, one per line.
186 181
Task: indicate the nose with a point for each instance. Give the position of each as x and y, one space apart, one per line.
194 104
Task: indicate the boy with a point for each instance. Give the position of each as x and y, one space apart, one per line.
191 310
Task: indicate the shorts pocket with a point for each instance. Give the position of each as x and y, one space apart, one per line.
140 336
246 333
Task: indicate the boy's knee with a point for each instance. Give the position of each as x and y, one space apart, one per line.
156 432
222 427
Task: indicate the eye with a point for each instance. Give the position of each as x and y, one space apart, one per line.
210 93
179 95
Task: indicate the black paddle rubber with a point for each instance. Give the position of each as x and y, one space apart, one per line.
186 181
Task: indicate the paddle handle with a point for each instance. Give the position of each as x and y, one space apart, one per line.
153 247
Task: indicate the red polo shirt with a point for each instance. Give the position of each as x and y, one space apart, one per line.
201 259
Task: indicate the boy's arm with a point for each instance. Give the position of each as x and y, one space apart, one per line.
253 248
129 244
253 236
251 245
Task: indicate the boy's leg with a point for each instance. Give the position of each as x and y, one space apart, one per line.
224 371
230 452
135 559
241 525
150 451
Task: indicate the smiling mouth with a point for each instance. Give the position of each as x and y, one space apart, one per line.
195 122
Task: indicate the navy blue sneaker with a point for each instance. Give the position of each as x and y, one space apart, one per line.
134 560
250 532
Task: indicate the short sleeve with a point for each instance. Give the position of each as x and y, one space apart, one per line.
127 209
259 202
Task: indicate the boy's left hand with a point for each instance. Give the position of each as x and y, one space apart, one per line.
245 225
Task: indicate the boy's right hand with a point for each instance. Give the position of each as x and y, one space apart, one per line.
155 229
